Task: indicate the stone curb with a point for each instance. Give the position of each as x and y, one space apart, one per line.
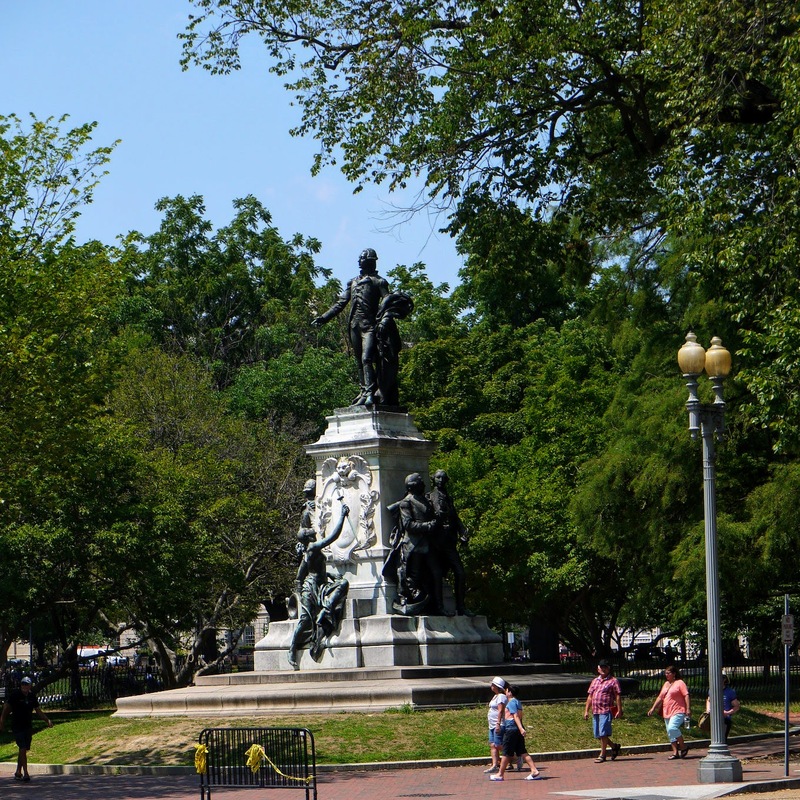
375 766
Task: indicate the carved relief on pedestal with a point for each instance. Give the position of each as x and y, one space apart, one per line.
348 480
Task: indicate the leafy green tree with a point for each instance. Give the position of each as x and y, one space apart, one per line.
572 465
519 269
289 388
57 490
638 504
515 413
207 534
656 127
229 298
46 176
436 313
508 95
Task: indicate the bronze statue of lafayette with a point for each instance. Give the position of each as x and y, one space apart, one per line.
373 330
319 596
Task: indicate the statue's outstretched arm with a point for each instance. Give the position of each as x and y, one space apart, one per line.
334 310
337 529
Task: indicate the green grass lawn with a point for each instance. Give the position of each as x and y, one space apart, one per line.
398 735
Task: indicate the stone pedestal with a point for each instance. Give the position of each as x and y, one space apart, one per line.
389 445
386 640
362 459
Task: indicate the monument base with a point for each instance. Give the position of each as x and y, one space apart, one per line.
387 640
266 694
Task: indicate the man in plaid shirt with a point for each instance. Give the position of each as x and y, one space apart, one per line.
605 702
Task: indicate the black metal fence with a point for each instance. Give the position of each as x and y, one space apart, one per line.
96 686
257 758
752 680
89 687
99 687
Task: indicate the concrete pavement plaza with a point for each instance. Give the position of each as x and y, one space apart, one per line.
642 773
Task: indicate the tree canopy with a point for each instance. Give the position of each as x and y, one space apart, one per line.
207 530
46 176
645 128
56 367
614 174
134 491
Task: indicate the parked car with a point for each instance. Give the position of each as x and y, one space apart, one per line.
567 655
93 658
648 652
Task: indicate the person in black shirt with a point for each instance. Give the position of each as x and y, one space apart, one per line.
22 705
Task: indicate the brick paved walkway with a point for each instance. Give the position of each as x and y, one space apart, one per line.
649 773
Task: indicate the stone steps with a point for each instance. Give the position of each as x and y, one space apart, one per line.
363 690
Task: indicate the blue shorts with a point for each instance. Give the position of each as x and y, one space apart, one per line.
601 724
495 738
674 724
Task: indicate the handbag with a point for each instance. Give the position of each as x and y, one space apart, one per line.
704 723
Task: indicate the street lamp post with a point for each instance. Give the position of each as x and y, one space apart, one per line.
708 421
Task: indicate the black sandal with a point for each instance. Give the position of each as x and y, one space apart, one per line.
684 752
615 751
673 757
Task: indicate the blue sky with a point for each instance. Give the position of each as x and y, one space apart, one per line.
117 62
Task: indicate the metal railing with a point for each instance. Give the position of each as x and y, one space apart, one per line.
759 680
257 758
90 687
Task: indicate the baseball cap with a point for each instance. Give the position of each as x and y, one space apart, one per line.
26 680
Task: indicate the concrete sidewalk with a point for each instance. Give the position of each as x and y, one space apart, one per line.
644 774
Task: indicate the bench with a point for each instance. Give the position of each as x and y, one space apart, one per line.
285 759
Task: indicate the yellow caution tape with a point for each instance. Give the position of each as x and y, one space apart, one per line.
255 755
200 758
